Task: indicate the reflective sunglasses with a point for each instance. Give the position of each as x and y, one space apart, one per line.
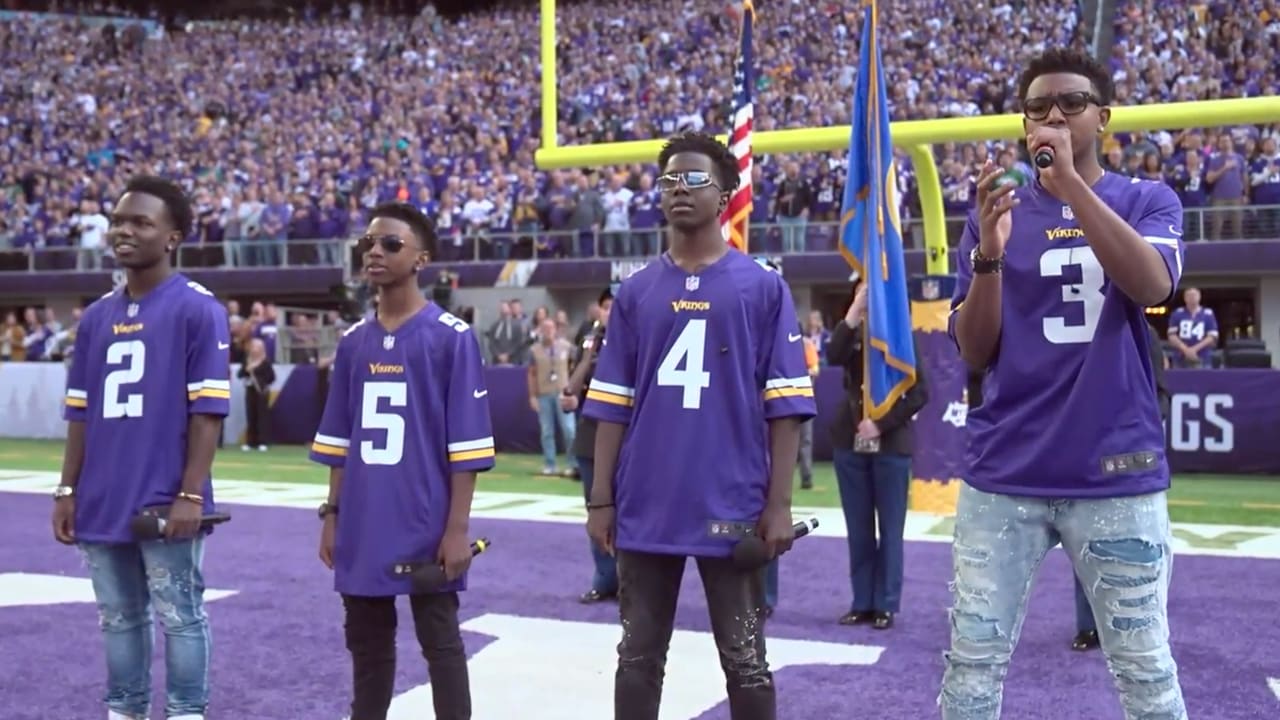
1072 103
392 244
692 179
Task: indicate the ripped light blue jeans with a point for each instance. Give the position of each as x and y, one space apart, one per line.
129 582
1120 550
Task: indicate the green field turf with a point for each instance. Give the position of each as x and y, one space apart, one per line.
1208 499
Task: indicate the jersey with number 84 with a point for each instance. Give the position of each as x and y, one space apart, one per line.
139 371
695 365
1069 405
405 410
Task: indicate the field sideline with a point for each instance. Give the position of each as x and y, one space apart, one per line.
1197 499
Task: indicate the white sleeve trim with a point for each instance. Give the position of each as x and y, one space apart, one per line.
796 382
465 445
333 441
612 389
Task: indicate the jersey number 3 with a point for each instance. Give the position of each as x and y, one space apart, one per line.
1087 294
690 348
396 394
115 402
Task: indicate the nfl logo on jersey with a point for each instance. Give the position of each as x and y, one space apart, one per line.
691 283
132 310
388 342
1068 213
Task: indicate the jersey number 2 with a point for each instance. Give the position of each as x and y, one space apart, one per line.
115 403
689 348
1087 293
392 451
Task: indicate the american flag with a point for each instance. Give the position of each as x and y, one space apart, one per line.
734 222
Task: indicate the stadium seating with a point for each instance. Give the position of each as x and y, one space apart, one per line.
289 131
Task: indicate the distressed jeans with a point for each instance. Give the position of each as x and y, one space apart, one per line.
1120 550
129 582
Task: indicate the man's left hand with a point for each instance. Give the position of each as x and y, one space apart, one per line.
776 530
454 554
867 429
1063 170
183 521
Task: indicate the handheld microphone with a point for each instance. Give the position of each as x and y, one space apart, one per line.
1044 157
149 526
425 577
751 553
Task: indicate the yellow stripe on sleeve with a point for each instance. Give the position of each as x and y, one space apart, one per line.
465 455
611 398
323 449
786 392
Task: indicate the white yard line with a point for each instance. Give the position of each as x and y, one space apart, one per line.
1189 539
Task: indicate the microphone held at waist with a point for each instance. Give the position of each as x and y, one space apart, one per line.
751 552
426 577
150 526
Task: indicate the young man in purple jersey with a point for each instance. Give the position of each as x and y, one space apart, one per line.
151 364
405 429
1067 446
701 381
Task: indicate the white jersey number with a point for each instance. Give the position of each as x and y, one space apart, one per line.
689 348
116 403
1087 293
396 394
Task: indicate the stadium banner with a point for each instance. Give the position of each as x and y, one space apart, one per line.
1221 421
1246 256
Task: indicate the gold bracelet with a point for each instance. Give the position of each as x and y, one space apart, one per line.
191 497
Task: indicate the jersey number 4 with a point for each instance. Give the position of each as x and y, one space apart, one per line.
116 403
689 348
1087 294
396 395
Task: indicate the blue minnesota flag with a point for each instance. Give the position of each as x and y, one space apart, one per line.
871 235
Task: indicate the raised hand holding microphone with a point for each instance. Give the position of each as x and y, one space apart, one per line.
1052 143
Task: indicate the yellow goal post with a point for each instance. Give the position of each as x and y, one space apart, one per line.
914 136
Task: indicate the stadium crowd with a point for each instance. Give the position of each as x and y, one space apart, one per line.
291 131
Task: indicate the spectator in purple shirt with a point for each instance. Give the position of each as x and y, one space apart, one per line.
1225 175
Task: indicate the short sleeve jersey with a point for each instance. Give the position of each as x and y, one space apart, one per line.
695 365
140 370
1069 403
405 410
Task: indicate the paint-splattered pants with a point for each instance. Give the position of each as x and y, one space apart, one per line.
132 580
648 588
1120 550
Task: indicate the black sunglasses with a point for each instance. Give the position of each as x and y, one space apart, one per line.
692 179
1072 103
390 243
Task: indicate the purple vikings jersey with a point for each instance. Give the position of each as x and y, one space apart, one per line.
1069 403
405 410
1191 328
141 369
694 366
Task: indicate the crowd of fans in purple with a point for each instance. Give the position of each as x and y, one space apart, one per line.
287 132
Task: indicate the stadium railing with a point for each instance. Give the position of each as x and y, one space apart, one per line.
1254 222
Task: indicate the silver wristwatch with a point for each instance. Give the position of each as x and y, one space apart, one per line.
63 491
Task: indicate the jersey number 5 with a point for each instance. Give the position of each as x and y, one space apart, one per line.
396 394
1087 294
115 403
689 348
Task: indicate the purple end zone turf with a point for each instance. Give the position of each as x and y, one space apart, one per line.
279 654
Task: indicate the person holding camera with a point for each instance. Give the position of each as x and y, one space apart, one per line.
873 472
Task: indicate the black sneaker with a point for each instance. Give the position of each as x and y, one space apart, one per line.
1086 640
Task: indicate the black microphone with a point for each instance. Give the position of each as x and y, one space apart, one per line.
150 526
1044 157
425 577
751 553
